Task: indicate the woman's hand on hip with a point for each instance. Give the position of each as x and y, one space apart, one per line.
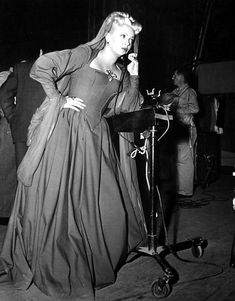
74 103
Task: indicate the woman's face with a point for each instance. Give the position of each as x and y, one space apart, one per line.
120 39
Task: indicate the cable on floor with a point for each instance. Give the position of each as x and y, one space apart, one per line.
188 203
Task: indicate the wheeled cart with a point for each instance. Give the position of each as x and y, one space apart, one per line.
148 120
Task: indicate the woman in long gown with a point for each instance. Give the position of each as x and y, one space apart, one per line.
77 212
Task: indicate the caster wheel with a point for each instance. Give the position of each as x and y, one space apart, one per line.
197 251
161 289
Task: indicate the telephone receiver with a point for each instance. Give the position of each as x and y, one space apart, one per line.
134 48
124 58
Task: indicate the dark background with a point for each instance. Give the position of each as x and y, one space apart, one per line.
170 35
169 38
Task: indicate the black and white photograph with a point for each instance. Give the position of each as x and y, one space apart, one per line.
117 150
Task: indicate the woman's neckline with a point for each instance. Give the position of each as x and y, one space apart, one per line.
110 77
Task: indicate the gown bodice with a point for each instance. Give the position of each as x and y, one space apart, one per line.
95 89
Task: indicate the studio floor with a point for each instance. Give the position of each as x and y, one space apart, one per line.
208 215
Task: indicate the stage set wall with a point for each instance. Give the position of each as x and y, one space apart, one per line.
217 80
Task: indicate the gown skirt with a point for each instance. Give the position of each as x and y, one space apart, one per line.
70 231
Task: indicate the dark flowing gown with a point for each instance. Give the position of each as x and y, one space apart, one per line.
78 220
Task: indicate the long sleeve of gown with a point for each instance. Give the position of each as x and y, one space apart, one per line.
129 98
133 96
51 68
131 102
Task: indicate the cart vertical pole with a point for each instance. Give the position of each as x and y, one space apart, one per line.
152 237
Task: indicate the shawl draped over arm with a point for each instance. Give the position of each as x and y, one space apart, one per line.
53 71
129 100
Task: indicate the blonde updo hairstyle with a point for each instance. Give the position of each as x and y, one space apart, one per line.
119 18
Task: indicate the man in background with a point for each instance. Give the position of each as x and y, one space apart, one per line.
186 106
20 96
8 180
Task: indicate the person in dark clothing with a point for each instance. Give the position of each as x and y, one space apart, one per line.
8 179
20 96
